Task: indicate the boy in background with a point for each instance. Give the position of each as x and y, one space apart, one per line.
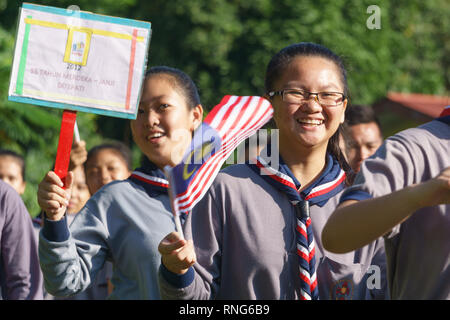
12 170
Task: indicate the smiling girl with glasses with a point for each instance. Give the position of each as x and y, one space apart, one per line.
256 233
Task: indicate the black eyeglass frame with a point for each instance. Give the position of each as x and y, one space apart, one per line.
316 94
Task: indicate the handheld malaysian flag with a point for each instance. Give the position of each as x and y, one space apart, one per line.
229 123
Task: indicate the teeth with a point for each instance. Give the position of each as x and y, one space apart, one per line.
310 121
154 135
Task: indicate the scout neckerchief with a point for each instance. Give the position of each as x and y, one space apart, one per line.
151 178
330 183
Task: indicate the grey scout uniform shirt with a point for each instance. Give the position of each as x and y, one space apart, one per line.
418 250
20 277
244 236
120 223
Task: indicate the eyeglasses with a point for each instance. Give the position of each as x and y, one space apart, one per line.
329 99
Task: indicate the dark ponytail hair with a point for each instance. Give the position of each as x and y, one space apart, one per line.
277 66
116 146
181 81
20 160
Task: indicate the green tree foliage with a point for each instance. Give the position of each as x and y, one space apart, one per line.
225 46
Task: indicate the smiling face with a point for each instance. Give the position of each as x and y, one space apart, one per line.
308 124
164 124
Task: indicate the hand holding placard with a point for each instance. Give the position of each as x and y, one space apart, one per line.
54 196
93 63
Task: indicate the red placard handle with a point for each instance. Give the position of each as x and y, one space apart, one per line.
65 144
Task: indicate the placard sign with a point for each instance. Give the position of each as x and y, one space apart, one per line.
80 61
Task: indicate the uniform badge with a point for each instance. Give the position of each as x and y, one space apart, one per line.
343 290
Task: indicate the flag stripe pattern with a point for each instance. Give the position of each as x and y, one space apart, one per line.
307 260
233 120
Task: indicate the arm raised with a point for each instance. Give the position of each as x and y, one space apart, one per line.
357 223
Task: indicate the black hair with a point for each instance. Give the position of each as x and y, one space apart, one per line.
358 114
283 58
121 149
181 81
277 66
19 159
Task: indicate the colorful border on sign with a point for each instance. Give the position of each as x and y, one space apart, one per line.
100 32
130 69
23 60
64 106
89 16
73 98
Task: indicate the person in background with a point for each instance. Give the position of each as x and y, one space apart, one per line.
403 194
78 154
106 163
343 141
103 163
362 134
80 193
92 170
20 276
12 170
123 221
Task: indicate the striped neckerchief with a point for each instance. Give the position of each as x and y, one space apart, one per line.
327 185
151 178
